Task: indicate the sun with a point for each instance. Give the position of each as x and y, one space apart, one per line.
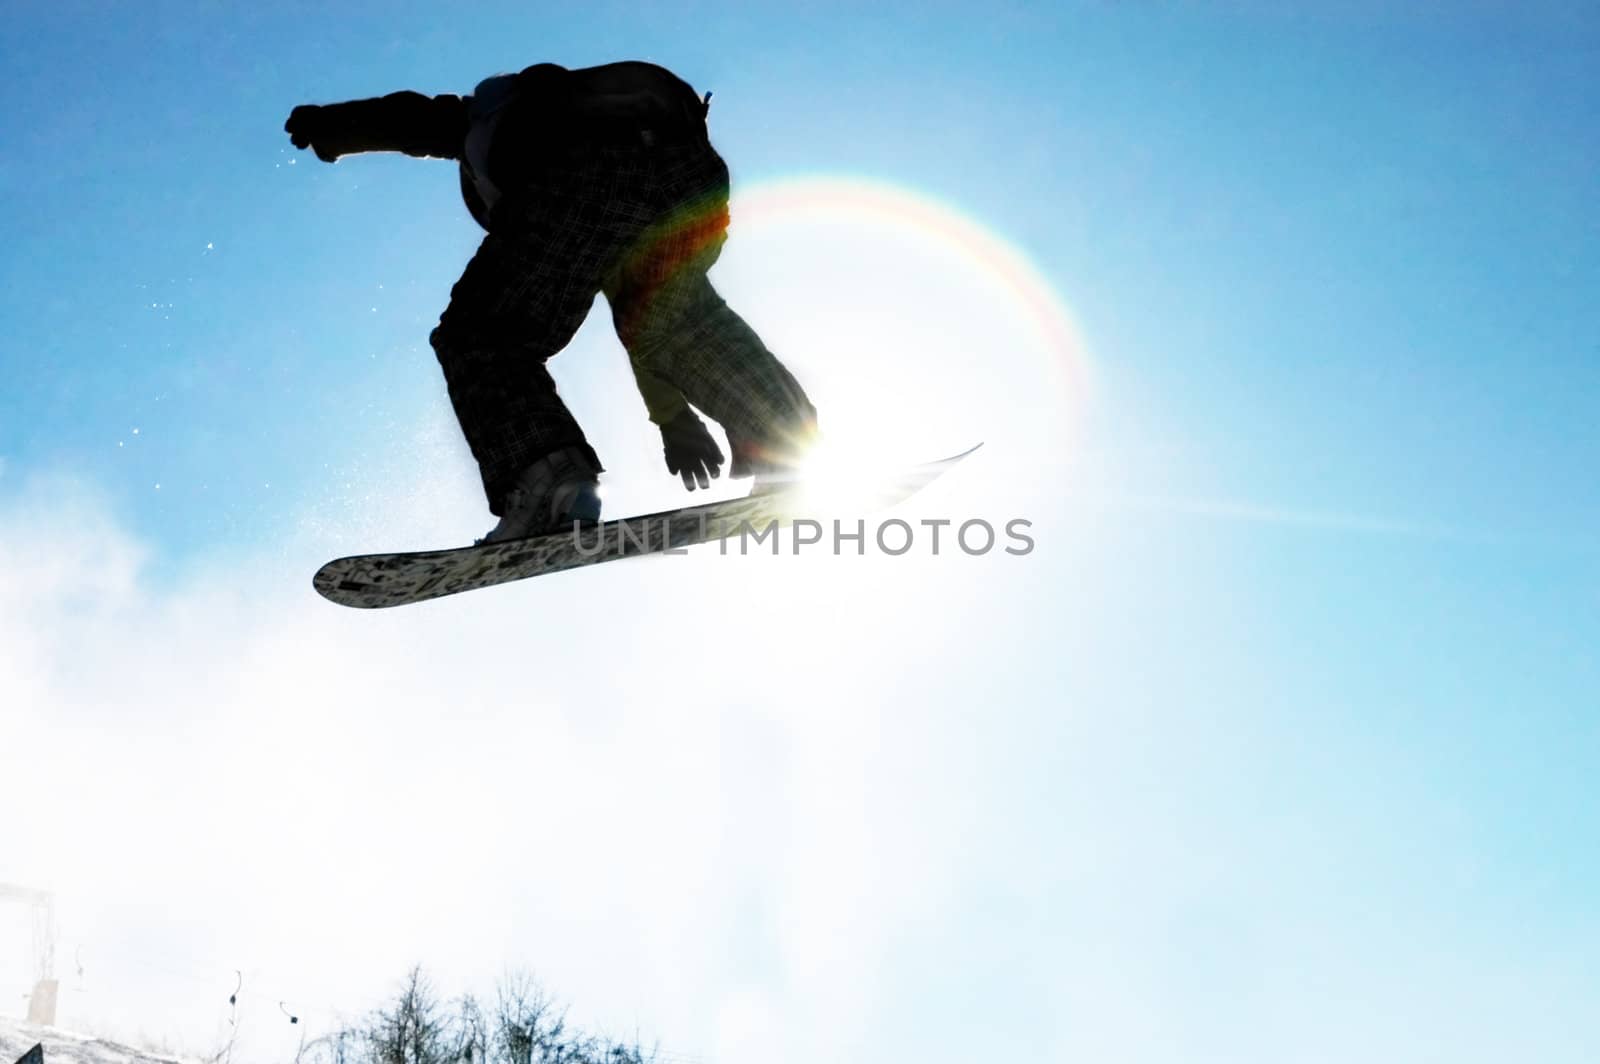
833 480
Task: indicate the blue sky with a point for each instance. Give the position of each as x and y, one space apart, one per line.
1279 746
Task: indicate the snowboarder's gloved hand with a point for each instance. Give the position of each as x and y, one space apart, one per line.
690 451
306 126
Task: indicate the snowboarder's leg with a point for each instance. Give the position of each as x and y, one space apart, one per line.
521 299
674 324
507 315
694 340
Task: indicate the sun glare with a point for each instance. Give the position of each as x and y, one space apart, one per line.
838 482
831 480
917 330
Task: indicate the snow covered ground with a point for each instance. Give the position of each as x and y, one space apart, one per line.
64 1047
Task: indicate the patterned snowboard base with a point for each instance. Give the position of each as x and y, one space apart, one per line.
373 581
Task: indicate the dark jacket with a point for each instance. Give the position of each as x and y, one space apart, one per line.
542 112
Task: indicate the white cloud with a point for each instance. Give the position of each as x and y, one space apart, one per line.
667 811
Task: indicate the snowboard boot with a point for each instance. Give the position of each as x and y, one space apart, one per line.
774 464
549 496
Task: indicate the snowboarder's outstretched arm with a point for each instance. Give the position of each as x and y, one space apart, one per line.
409 122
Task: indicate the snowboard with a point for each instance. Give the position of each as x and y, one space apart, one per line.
376 581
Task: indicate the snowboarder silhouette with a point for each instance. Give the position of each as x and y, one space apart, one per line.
601 179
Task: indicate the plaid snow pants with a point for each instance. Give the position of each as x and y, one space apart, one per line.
643 225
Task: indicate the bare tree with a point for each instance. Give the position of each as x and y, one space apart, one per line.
525 1027
471 1035
530 1030
344 1046
412 1030
522 1018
